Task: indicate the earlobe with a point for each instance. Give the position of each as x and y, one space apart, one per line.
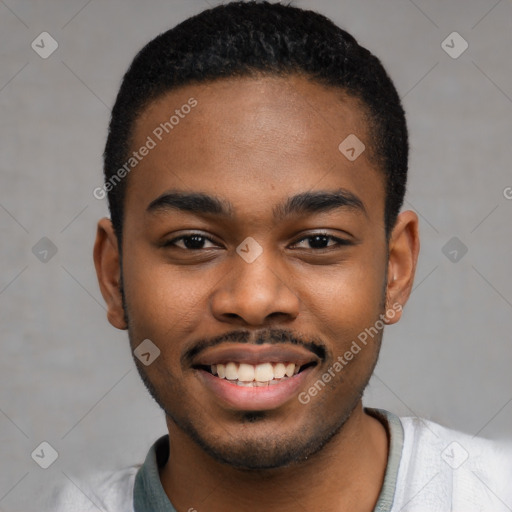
404 247
108 271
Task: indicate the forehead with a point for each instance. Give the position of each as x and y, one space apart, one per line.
238 107
243 136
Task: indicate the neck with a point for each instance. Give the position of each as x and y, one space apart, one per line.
346 474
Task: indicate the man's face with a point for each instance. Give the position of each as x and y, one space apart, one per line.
261 283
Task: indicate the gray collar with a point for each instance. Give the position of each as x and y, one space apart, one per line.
396 442
149 495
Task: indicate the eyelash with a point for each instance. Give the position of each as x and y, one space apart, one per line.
339 241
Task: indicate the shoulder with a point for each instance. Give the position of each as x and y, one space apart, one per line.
441 467
453 448
106 491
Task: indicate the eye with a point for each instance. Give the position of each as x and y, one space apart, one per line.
194 241
321 240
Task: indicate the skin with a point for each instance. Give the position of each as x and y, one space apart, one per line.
255 142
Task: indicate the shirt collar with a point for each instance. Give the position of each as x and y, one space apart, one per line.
395 431
149 495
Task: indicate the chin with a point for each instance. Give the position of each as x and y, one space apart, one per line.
254 446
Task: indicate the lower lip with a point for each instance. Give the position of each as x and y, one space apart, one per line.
255 398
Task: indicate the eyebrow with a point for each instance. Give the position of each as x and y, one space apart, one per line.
300 204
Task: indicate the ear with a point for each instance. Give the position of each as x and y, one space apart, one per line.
108 270
404 246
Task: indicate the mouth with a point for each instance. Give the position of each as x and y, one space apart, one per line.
259 375
254 377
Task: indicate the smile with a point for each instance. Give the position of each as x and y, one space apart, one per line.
264 374
254 377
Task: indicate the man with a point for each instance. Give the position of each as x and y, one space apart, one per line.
255 168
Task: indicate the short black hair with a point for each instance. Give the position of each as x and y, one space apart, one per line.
244 39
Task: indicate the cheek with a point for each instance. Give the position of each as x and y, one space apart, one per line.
344 302
349 294
163 302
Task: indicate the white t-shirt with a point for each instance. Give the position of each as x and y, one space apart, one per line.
430 469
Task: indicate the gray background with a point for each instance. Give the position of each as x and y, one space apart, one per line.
67 376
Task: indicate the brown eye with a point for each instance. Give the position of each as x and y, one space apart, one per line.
189 242
321 241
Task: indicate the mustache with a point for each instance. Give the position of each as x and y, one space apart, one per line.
270 336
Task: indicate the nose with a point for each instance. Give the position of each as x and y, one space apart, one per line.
255 293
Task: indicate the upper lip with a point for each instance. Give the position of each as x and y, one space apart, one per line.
255 354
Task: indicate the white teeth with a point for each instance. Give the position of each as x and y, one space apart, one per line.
255 375
253 384
246 372
244 384
279 371
290 368
231 371
263 372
